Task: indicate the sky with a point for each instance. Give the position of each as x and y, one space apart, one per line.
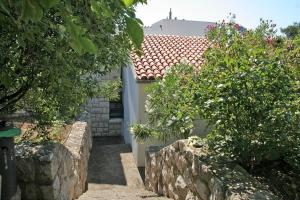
248 12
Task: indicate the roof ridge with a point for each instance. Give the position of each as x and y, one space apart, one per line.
186 20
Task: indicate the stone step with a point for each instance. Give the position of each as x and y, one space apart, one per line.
121 194
114 165
113 175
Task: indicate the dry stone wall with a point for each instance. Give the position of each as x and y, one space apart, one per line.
182 172
55 171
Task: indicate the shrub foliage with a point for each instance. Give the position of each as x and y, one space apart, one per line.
247 90
249 94
170 105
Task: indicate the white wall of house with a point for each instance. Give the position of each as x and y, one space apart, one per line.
130 102
134 100
133 104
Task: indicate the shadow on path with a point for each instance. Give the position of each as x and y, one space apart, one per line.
112 173
111 162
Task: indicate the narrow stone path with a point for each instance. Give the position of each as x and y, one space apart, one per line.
112 173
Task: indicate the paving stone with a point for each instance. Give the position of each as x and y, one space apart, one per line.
113 175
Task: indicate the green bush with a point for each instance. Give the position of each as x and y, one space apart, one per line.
249 94
292 54
171 107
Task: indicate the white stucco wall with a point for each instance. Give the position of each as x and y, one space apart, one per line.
131 101
134 100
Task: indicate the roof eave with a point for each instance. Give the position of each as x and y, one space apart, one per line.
146 80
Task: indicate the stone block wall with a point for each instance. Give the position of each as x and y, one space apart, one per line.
101 124
182 172
115 126
98 107
99 112
55 171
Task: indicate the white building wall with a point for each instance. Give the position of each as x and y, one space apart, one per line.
130 102
132 112
134 98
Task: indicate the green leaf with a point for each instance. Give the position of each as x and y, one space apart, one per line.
88 45
135 32
96 6
5 80
100 8
4 7
75 44
31 10
139 21
73 29
62 28
48 3
128 3
79 42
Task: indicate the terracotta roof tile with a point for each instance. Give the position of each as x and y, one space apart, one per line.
161 52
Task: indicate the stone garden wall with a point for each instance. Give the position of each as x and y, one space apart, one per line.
187 173
55 171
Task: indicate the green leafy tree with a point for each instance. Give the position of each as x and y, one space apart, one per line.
52 52
249 94
291 31
292 54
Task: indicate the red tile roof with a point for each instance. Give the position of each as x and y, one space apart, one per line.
160 52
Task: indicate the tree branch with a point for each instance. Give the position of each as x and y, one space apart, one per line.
13 100
5 14
10 99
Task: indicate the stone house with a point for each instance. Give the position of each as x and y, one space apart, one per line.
166 43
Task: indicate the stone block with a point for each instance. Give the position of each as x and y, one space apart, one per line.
191 196
202 189
52 191
95 124
181 188
29 191
98 116
26 169
216 188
